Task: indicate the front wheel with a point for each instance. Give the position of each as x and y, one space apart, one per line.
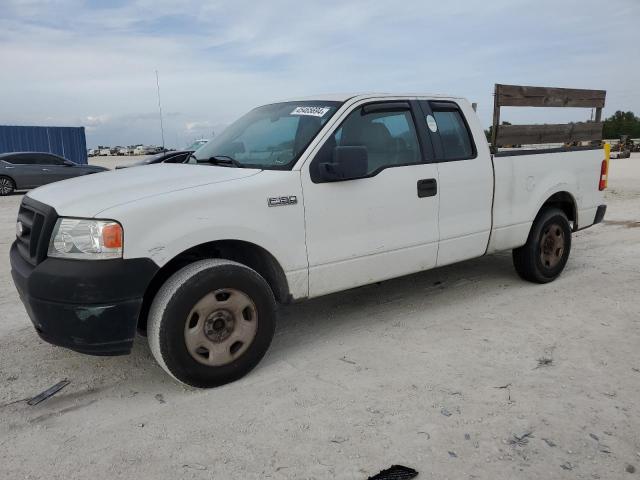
211 322
544 256
6 186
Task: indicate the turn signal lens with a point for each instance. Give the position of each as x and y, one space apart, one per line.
112 235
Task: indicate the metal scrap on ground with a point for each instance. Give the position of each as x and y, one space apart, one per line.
49 392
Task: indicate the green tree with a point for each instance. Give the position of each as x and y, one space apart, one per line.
621 123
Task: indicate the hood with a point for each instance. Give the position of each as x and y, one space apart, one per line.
89 195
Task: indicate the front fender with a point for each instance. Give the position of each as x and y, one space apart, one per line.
164 226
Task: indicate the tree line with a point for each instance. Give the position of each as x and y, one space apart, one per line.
621 123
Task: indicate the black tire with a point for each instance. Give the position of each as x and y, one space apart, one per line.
544 256
7 185
174 308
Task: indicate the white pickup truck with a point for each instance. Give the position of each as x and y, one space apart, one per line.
294 200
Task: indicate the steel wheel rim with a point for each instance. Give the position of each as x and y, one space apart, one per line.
220 327
551 245
5 186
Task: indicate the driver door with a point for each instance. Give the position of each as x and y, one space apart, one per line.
54 168
383 224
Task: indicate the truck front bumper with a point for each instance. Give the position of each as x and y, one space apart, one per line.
90 306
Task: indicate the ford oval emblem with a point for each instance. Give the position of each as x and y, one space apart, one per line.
19 229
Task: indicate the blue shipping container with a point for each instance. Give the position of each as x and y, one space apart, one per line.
68 142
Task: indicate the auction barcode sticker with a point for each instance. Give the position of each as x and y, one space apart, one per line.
313 111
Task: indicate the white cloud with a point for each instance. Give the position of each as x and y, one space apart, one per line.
71 63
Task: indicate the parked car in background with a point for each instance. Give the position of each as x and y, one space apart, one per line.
125 151
25 170
147 150
181 156
104 152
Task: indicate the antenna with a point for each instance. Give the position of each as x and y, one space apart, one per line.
160 109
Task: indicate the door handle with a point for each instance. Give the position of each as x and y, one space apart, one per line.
45 169
427 187
8 168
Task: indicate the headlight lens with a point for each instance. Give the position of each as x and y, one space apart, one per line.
86 239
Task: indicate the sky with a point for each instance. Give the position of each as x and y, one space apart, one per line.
92 63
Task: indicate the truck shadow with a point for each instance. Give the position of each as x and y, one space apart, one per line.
389 301
300 327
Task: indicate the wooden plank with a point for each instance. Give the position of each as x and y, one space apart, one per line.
555 133
598 114
527 96
496 119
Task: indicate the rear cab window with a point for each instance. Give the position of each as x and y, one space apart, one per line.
449 131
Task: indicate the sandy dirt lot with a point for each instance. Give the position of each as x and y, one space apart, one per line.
461 372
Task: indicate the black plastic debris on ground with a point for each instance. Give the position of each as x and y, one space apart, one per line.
567 466
521 440
395 472
49 392
545 362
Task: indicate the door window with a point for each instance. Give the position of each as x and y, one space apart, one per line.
19 160
42 159
454 135
389 137
51 160
448 126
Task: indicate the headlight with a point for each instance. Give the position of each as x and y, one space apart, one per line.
86 239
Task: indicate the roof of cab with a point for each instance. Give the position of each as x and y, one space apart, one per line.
343 97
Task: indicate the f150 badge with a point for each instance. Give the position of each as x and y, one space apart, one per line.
282 201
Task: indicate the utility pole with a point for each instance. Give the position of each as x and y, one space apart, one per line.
160 109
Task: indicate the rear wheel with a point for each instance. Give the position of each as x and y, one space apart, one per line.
7 186
546 252
211 322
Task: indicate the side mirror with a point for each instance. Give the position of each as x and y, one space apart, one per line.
348 163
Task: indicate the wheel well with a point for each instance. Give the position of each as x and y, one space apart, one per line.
10 178
565 202
239 251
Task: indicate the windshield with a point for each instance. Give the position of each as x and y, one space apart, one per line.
197 144
270 137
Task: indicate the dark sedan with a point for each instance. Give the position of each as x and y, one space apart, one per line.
181 156
25 170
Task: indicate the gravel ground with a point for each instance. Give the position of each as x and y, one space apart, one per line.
460 372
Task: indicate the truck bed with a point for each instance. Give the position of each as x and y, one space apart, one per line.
525 179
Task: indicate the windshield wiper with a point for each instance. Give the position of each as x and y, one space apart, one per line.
225 160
